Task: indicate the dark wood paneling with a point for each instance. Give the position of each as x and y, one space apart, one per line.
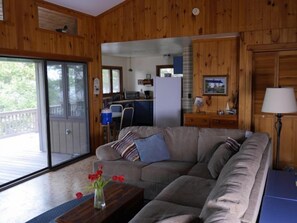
271 70
263 77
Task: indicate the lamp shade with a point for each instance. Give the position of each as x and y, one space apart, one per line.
279 100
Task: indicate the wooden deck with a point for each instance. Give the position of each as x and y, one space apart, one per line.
20 155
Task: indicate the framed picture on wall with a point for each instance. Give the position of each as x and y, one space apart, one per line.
215 85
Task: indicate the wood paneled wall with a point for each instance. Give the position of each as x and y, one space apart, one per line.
262 24
215 57
258 22
272 69
148 19
21 36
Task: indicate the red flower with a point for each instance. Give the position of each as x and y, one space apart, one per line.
121 179
93 176
97 180
118 178
99 172
79 195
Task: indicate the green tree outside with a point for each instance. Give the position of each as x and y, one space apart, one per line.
17 86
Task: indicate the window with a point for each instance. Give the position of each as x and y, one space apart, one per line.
66 86
164 69
1 10
56 21
112 80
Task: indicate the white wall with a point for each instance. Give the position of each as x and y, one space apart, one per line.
140 65
114 61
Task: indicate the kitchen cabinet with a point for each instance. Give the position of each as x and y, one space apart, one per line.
178 65
210 120
143 112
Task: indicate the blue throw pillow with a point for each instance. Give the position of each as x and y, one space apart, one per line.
152 149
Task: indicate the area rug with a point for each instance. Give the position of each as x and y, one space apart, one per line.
51 215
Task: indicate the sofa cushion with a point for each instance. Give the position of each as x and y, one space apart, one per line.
185 218
200 170
152 149
165 171
221 216
126 146
210 138
182 143
159 210
130 170
222 155
188 191
234 185
142 131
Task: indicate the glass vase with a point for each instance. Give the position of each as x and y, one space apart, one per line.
99 200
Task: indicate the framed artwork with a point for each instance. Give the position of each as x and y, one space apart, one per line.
215 85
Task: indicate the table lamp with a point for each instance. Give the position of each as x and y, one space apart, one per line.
198 103
279 101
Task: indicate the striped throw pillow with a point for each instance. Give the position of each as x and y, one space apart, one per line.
126 146
233 145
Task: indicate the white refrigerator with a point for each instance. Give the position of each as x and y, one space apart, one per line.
167 101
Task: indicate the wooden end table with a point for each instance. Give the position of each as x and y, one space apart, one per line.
122 203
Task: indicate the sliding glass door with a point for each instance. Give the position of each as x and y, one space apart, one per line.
67 109
23 136
43 116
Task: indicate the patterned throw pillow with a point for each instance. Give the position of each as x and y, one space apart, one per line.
221 156
126 146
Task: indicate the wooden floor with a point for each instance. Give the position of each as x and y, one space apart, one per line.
31 198
20 155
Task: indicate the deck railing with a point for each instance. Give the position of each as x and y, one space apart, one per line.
18 122
26 121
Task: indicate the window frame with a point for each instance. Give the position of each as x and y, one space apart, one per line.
3 11
110 68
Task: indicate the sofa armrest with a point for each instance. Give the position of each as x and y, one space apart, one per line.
106 152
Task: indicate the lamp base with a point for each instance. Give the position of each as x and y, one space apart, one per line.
278 126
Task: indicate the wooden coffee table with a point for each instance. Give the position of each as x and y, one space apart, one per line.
122 203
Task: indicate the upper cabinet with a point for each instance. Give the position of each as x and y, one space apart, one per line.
178 64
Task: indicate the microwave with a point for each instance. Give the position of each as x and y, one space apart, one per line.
130 95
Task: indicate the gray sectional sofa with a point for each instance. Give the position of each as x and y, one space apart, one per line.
184 188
